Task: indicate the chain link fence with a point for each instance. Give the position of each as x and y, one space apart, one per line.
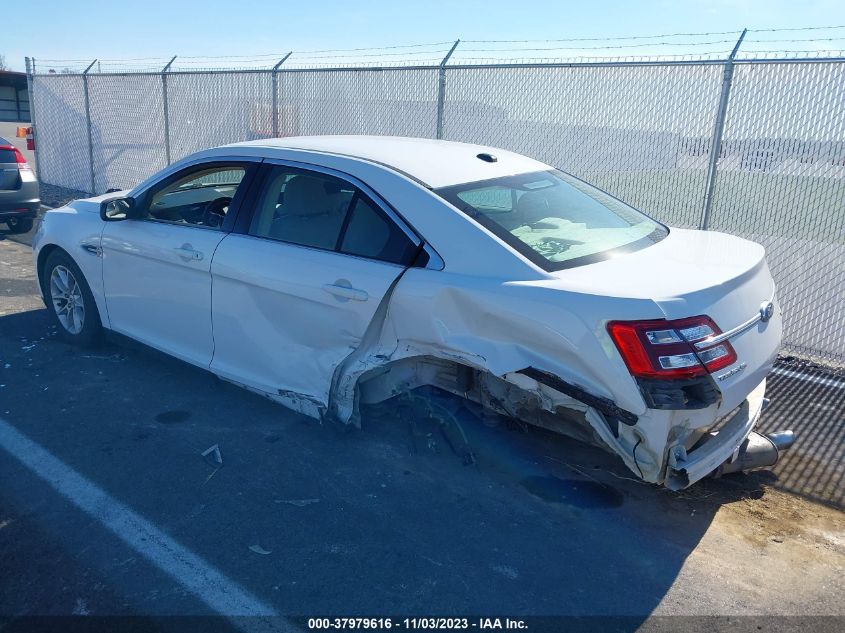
767 137
781 182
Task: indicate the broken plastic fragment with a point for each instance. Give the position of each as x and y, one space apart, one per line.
213 454
299 503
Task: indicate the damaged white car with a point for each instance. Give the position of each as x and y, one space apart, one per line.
328 272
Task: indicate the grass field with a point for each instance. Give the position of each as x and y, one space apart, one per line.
799 219
745 202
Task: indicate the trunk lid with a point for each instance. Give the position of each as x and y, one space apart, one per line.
691 273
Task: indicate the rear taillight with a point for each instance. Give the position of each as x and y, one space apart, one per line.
665 349
19 159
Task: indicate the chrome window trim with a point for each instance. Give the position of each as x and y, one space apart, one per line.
355 182
143 187
435 262
315 249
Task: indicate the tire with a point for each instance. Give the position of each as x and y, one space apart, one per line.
65 284
19 225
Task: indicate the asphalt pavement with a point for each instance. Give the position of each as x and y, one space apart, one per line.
108 507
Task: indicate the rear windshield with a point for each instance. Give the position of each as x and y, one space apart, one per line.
7 156
554 219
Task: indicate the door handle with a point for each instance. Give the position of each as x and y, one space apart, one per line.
187 253
346 292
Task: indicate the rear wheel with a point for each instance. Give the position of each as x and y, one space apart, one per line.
19 225
69 301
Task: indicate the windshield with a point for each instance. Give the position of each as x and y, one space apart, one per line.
554 219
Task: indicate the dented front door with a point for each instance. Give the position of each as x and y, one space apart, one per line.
285 316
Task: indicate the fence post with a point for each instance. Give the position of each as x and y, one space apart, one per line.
274 100
718 129
166 107
30 81
441 88
88 124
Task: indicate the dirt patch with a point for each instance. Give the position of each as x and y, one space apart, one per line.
779 520
754 508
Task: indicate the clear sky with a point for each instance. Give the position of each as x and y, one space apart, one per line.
88 29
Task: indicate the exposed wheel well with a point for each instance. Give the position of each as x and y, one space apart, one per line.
492 392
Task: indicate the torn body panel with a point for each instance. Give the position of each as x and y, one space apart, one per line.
655 448
528 362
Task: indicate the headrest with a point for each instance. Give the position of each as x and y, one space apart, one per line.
533 204
305 196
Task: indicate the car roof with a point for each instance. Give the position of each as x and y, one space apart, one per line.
434 163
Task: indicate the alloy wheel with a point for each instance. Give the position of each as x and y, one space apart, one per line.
68 302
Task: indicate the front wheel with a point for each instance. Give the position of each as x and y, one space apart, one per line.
19 225
70 302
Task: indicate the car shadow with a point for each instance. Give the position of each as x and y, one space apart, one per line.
392 519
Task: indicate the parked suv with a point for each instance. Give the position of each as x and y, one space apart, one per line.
19 202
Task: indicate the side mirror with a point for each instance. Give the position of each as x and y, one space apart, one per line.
117 209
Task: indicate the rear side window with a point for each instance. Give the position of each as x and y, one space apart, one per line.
8 156
370 234
322 211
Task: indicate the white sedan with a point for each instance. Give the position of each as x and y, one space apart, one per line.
328 272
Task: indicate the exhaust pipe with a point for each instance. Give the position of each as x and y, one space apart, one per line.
782 439
757 451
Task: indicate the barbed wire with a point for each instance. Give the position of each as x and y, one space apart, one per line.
811 39
662 35
589 48
299 57
797 28
603 39
581 59
423 53
826 53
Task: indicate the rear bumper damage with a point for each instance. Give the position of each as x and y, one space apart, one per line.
734 447
675 448
672 448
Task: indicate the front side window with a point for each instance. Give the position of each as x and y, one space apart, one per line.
200 196
554 219
322 211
